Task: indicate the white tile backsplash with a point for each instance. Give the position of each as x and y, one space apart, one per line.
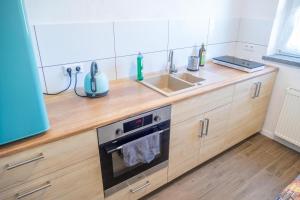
188 33
70 43
216 50
181 56
57 81
152 62
223 30
250 51
115 45
144 36
255 31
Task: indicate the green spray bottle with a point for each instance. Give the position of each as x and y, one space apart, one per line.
202 54
140 76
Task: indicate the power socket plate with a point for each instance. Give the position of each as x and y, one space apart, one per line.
73 67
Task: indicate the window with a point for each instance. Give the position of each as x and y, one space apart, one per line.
288 40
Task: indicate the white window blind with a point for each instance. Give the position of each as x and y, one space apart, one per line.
289 35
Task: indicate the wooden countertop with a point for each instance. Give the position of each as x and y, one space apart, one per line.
70 115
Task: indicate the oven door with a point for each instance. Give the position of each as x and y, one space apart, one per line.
114 171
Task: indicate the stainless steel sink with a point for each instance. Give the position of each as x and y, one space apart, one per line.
168 84
190 78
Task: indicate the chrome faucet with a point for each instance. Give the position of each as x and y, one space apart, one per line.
171 65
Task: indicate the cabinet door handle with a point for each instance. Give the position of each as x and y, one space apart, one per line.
202 128
206 126
12 166
25 194
140 187
256 90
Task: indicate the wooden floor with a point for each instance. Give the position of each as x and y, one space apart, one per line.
257 169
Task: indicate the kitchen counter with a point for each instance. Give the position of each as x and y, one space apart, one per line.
70 114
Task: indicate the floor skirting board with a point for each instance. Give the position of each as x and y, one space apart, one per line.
272 136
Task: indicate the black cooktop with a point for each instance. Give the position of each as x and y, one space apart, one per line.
239 62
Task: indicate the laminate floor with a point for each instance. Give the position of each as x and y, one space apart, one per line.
257 169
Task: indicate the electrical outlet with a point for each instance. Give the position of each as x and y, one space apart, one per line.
73 67
249 47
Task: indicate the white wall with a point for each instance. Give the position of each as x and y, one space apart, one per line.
263 12
259 9
75 32
62 11
256 21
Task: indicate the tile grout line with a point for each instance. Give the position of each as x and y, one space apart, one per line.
238 33
129 55
40 58
168 45
56 65
208 30
115 58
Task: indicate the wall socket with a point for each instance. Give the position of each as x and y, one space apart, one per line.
248 47
73 67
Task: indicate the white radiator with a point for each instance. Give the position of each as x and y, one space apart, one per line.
288 125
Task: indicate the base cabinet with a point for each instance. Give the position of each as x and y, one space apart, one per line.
201 128
28 165
80 181
198 136
67 170
195 139
249 107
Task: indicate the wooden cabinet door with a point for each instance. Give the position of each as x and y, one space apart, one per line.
215 132
261 101
249 107
184 146
240 124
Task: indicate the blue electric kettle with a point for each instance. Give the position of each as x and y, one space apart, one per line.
96 82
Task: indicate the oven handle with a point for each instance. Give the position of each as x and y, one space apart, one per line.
121 147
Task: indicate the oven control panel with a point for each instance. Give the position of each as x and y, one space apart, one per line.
133 124
137 123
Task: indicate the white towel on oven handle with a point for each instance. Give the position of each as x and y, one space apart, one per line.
142 150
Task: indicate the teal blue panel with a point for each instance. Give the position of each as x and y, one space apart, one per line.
22 108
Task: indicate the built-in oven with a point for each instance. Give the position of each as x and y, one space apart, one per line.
114 137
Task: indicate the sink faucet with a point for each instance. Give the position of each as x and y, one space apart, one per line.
171 66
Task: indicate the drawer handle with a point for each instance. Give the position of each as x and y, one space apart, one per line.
12 166
21 195
140 187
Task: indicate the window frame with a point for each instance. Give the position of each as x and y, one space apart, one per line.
282 38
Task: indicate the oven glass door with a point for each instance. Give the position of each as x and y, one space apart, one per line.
114 169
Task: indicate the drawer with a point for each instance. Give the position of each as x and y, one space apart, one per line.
194 106
246 89
45 159
80 181
142 187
